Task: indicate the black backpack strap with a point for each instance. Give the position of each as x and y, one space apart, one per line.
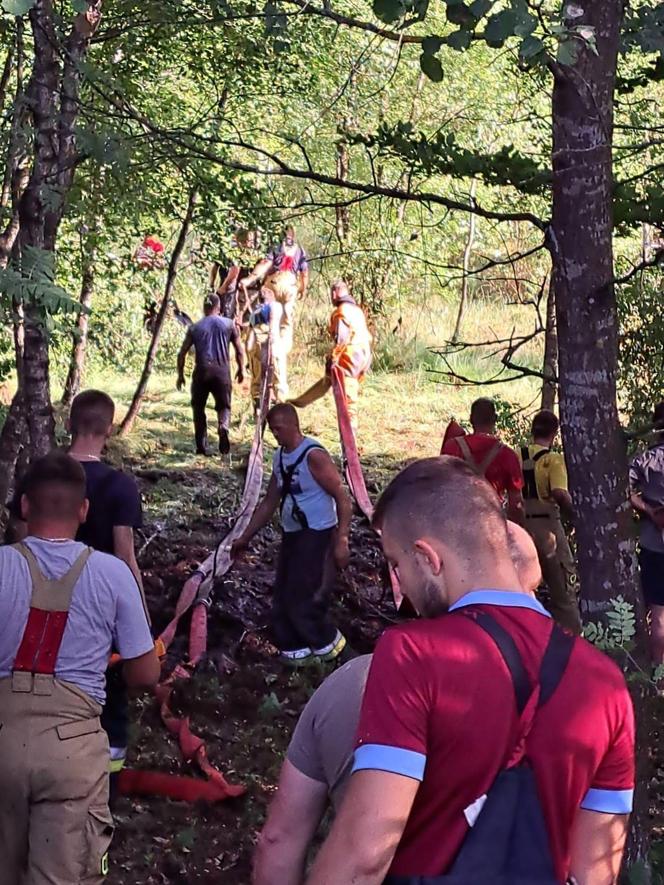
287 474
510 654
528 467
554 663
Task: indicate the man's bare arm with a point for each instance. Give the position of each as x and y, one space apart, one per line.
324 471
367 830
236 341
598 842
263 514
124 549
564 500
187 344
292 820
515 507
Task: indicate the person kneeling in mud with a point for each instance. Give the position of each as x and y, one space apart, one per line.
315 515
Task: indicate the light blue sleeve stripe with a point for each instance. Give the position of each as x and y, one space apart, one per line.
609 801
393 759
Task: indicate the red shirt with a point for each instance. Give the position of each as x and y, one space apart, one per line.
439 707
504 472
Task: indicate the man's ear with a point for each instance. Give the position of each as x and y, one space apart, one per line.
25 508
83 511
428 556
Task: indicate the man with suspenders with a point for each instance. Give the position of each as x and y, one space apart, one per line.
62 607
489 457
546 495
315 516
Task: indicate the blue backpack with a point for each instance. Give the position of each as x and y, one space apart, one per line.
509 843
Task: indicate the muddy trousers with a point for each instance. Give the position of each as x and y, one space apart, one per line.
206 380
258 349
558 571
321 387
302 590
55 825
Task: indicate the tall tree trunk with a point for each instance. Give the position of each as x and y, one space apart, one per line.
53 101
89 251
16 174
467 254
80 335
13 438
134 408
583 273
550 364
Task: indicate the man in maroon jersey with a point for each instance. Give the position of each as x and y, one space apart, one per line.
439 714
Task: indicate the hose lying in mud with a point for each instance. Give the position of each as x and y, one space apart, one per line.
197 592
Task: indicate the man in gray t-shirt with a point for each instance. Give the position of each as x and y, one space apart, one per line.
211 339
646 480
62 606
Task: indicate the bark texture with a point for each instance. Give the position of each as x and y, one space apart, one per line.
134 408
581 246
80 335
550 363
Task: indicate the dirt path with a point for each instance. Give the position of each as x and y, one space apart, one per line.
241 700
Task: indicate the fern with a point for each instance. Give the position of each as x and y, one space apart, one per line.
31 281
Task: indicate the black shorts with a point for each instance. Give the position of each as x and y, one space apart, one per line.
651 565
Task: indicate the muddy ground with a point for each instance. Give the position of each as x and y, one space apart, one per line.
241 700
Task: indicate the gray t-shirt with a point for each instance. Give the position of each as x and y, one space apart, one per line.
323 742
212 337
646 477
106 608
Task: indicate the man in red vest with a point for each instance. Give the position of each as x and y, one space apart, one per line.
490 457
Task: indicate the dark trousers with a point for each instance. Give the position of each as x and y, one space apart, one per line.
206 380
115 721
305 576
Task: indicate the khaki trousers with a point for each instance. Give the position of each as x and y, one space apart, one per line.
557 564
257 357
284 286
55 825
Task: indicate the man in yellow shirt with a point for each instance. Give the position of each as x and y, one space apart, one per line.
546 495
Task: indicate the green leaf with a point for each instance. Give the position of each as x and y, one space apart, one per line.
531 47
388 11
432 67
17 7
479 8
568 52
431 45
460 14
459 40
500 26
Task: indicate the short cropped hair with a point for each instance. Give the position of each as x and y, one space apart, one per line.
91 413
55 487
444 498
285 409
545 423
658 416
483 412
211 302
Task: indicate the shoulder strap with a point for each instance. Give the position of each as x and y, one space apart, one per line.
510 654
490 458
466 453
552 668
52 594
540 454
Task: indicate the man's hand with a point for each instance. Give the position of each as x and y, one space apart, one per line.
238 546
239 375
341 552
180 382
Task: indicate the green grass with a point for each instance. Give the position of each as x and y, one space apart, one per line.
405 405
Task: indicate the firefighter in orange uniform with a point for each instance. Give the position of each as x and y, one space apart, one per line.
351 352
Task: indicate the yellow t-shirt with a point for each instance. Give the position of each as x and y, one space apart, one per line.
550 472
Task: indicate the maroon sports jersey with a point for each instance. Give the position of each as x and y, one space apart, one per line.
439 707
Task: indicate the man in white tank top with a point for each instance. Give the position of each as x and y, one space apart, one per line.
315 516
